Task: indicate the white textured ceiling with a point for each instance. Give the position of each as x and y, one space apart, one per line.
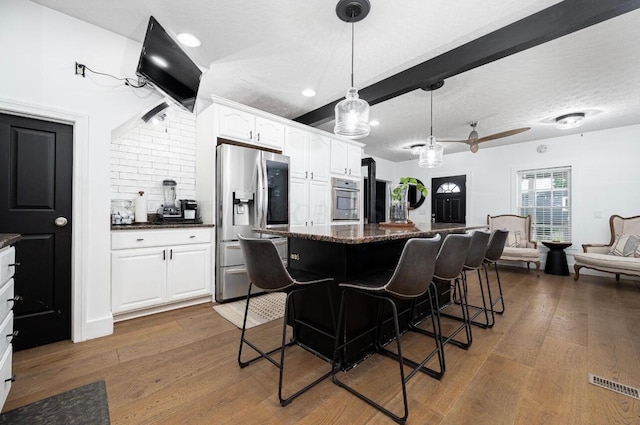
263 53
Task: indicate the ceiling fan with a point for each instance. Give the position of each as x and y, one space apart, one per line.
473 140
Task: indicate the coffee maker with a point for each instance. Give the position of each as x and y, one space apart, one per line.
170 209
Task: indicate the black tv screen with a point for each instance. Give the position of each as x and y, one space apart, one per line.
167 66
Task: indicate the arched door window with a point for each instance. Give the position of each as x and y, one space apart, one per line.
448 188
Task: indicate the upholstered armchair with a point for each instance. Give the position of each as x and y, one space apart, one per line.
519 246
620 256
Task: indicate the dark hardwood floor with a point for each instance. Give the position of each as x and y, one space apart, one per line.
180 367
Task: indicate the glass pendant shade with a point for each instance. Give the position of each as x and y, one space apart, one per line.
352 116
432 155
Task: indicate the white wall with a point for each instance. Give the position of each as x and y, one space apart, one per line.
39 51
605 177
150 153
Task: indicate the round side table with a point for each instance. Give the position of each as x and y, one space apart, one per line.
556 258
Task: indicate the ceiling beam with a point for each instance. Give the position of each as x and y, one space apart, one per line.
556 21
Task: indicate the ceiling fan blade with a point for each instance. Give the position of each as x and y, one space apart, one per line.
503 134
455 141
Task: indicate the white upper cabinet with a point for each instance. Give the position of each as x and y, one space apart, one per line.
296 147
235 124
319 157
354 160
243 126
269 133
309 154
345 158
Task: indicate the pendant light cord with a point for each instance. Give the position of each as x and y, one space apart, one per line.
352 50
431 122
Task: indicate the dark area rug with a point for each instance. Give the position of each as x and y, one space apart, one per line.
86 405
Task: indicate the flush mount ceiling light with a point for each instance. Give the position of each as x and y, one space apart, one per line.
572 120
188 40
432 154
352 113
308 92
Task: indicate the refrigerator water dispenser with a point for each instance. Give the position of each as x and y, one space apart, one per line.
242 208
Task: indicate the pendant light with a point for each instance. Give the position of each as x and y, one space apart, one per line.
432 154
352 113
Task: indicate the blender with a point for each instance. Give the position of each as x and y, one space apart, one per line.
170 210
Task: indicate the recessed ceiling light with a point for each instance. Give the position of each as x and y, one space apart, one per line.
374 123
570 120
160 61
308 92
188 40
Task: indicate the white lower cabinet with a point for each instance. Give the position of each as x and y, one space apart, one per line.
309 203
177 269
189 271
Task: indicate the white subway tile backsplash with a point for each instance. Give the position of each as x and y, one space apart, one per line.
148 154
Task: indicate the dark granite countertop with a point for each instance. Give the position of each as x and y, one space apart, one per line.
7 239
155 223
156 226
366 233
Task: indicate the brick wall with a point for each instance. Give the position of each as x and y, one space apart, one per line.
148 154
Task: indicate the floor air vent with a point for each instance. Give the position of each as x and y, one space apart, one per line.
615 386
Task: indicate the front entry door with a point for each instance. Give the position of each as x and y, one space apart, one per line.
35 201
449 199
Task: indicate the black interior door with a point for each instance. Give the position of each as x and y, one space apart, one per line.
449 199
35 201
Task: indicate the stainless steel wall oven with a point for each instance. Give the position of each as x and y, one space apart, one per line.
345 197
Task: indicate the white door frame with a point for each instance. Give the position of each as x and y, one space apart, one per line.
79 230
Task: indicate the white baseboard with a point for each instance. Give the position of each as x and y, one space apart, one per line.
98 328
161 308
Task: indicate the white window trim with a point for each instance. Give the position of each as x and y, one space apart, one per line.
575 190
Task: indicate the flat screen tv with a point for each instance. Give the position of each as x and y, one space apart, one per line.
164 64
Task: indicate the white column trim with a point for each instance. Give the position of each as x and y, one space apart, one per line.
80 207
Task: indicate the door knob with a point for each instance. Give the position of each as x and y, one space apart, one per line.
60 221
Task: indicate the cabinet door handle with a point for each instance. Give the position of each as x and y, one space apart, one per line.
12 379
139 239
15 299
250 134
13 265
345 171
171 254
312 223
312 175
306 174
349 171
164 255
12 335
192 236
306 223
258 137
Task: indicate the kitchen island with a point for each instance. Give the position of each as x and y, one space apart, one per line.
353 252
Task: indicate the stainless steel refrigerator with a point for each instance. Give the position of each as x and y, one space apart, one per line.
252 190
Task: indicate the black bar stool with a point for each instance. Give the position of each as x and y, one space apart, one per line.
494 252
410 280
267 272
448 271
474 261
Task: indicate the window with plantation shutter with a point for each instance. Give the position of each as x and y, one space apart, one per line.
545 195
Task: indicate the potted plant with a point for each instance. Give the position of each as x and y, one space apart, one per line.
398 203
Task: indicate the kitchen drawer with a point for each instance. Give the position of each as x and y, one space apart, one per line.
5 376
126 239
6 330
7 256
231 254
6 294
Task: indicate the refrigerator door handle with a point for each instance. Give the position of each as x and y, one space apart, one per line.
264 192
258 201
